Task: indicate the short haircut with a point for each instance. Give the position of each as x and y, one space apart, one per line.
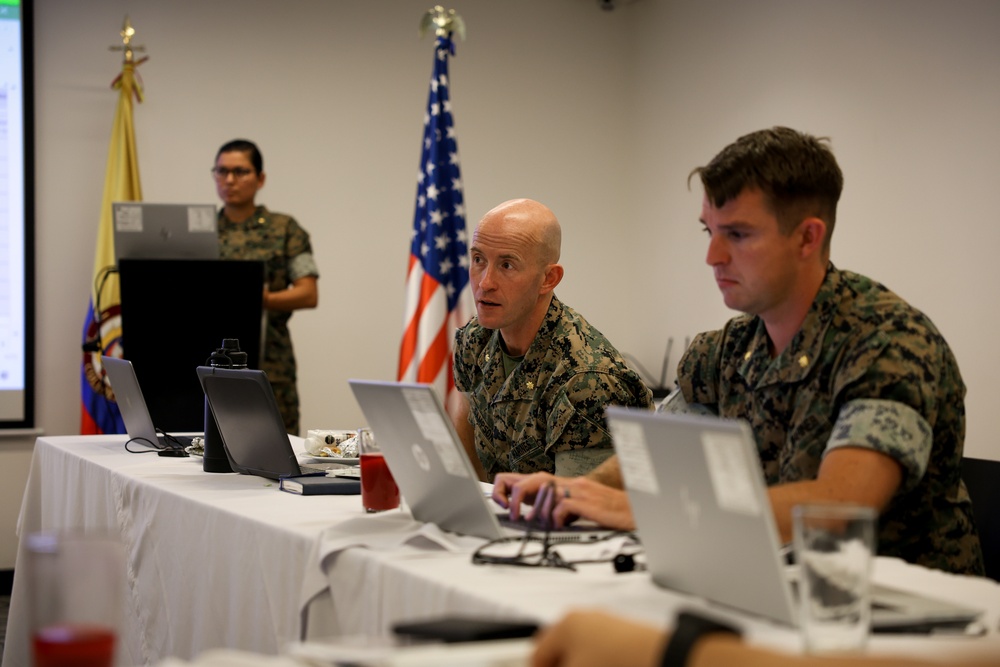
796 172
245 146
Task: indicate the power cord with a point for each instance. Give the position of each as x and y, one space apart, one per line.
154 447
178 448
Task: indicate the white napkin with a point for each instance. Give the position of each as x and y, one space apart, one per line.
388 531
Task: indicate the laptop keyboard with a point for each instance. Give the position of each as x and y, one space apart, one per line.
574 532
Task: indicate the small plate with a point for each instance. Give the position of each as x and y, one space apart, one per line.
329 459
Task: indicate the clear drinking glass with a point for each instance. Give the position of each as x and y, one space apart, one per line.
76 584
378 488
834 548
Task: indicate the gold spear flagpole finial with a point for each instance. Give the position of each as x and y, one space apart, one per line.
444 22
128 32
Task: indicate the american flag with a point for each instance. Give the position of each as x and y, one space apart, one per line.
438 297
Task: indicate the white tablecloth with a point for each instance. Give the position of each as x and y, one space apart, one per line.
228 561
215 560
374 589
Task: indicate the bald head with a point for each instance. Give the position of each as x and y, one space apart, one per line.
514 268
527 223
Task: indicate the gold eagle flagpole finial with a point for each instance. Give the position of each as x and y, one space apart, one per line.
444 22
129 63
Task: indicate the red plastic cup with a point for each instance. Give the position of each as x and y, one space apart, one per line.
74 646
378 488
76 587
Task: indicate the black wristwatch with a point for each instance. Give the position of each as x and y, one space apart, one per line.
688 630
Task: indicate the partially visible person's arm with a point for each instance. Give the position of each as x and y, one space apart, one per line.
598 639
467 435
608 473
846 475
302 293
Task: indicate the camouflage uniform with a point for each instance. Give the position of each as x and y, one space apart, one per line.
284 247
865 370
549 414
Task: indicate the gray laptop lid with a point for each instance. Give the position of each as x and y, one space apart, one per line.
431 468
254 436
697 491
131 404
426 457
706 533
144 230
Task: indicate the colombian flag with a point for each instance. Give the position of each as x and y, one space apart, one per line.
102 330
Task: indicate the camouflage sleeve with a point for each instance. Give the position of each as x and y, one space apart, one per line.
576 422
463 363
698 372
889 427
578 462
887 385
298 250
301 266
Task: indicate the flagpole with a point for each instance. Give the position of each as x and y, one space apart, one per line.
438 296
102 334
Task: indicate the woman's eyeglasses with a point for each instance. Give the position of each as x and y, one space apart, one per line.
222 173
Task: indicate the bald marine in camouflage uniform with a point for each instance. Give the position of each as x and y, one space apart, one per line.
547 412
251 232
535 375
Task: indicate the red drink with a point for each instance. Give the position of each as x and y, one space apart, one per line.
378 488
74 646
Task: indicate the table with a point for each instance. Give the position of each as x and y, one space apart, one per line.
229 561
215 560
387 587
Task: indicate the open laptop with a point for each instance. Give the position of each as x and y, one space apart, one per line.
704 517
251 428
144 230
429 463
132 406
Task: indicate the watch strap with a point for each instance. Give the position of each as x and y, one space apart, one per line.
688 629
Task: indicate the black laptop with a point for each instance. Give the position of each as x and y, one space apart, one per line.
252 431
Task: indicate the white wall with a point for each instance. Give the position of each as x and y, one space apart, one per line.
601 115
